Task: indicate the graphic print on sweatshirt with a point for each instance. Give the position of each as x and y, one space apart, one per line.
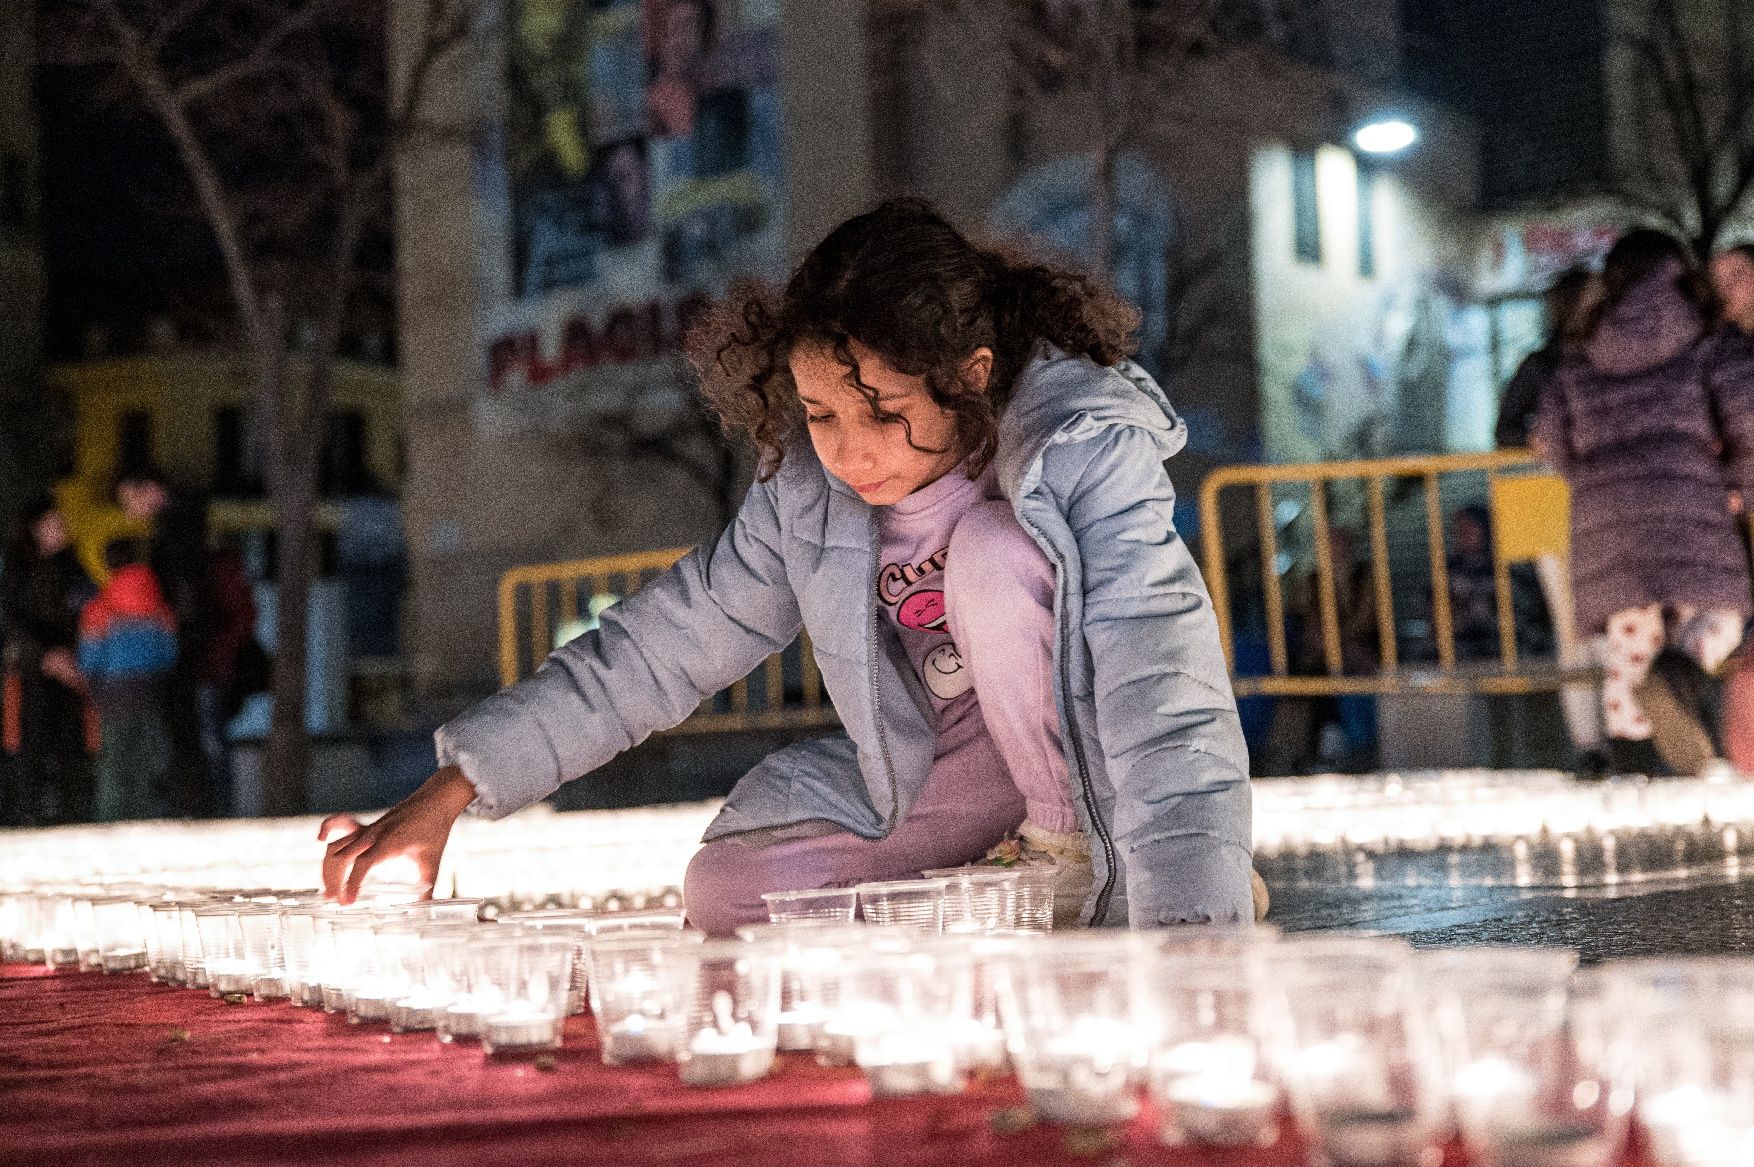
913 594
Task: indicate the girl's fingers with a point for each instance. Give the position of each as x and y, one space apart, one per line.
334 870
344 823
339 854
362 865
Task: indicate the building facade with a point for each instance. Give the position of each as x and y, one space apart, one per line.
1300 300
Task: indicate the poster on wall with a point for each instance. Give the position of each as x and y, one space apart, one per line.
632 171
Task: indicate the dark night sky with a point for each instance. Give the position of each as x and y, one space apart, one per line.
124 242
114 248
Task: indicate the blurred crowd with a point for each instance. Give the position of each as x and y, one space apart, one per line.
116 692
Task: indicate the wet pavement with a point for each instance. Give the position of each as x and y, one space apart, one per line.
1693 917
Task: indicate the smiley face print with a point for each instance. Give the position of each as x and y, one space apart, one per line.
945 674
923 612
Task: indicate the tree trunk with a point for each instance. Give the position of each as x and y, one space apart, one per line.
292 489
287 765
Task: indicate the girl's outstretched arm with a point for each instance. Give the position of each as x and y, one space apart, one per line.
655 656
1165 712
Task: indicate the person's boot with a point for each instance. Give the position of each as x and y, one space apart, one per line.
1677 732
1593 765
1630 757
1067 852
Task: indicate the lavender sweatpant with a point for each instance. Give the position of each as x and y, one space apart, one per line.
987 773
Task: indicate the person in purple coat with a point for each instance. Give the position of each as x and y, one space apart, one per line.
1733 372
1636 423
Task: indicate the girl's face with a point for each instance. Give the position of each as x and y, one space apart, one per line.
875 457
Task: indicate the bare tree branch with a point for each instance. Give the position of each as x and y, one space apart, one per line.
1691 99
286 121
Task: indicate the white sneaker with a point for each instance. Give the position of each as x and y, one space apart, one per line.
1067 852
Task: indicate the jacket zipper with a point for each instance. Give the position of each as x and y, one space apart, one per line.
871 635
1084 783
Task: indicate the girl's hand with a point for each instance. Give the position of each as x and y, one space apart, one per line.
417 827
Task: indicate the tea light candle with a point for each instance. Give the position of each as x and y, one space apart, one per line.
836 1041
634 1039
269 988
726 1058
728 1053
901 1064
1079 1081
367 1003
1220 1112
1548 1145
227 975
461 1019
1371 1138
124 960
798 1026
978 1046
519 1029
419 1010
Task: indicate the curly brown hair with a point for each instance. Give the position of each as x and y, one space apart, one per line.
907 285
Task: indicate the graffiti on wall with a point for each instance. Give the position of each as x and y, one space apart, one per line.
632 173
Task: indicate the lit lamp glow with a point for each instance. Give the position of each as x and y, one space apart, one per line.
1385 136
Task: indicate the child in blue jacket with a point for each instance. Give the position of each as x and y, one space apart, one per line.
127 647
963 500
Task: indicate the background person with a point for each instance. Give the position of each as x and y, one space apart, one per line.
42 589
127 650
1633 423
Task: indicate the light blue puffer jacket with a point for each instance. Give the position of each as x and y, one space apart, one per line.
1149 722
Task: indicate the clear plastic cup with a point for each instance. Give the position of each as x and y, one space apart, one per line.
904 903
731 1006
830 903
981 900
811 953
520 982
573 922
903 1031
222 949
637 995
1074 1025
121 941
263 950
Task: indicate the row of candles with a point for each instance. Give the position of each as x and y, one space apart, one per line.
1522 828
1528 828
1378 1053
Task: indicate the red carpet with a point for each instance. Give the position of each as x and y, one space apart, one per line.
99 1069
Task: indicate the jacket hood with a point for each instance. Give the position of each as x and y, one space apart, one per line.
1063 398
1652 325
133 591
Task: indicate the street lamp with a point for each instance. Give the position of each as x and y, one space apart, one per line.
1385 136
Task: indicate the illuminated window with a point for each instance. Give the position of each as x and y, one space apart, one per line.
1305 210
1366 221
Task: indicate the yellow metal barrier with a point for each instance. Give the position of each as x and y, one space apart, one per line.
1530 510
538 603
